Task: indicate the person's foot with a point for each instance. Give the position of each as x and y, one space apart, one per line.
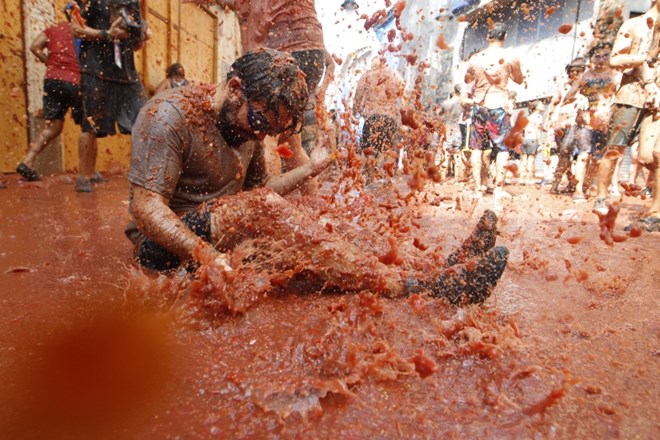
579 198
600 206
98 178
471 283
27 173
479 242
83 184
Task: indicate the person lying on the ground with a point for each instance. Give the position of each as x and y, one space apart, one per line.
195 159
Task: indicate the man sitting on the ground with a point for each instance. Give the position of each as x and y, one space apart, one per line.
194 157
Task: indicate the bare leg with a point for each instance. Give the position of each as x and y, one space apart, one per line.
52 129
500 167
523 179
654 210
475 160
606 168
87 150
531 168
580 174
307 245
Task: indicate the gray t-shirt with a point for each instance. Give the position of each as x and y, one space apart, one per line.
178 151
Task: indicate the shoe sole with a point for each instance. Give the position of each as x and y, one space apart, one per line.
473 285
481 240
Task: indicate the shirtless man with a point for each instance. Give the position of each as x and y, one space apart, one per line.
377 99
633 54
195 157
491 70
563 121
598 85
291 26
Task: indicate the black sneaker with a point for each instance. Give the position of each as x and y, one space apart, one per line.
28 173
472 283
98 178
83 184
479 242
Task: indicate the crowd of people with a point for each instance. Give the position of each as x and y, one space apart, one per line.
607 102
202 179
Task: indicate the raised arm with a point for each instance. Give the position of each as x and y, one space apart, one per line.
329 74
116 31
38 47
285 183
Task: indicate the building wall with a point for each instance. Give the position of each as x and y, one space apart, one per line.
13 109
181 32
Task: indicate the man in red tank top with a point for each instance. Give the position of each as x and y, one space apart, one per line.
55 48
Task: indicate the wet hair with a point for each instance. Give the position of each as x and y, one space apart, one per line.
599 46
577 63
272 77
173 70
497 32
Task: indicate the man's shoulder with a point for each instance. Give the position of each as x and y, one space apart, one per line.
634 26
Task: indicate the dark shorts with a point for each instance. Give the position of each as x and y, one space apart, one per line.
107 103
312 63
153 256
489 128
59 96
624 124
598 143
379 133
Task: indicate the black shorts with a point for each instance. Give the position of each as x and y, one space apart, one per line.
312 63
153 256
379 134
59 96
107 103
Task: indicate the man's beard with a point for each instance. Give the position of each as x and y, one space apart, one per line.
233 135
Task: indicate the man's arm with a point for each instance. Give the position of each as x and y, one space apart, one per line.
469 75
289 181
328 76
622 57
116 31
39 46
516 72
156 220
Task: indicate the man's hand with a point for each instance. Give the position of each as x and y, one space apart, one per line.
118 30
207 255
320 159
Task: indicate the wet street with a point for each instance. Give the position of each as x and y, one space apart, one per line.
567 347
